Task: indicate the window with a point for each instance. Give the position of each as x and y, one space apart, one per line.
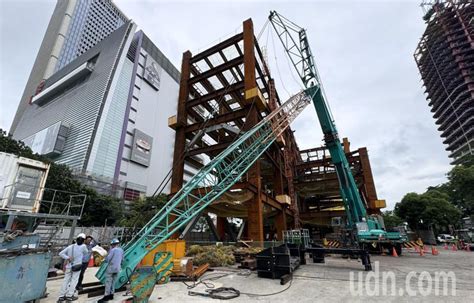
131 194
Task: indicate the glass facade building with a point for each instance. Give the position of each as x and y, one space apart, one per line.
74 28
91 22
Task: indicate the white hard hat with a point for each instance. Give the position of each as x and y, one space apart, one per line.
81 235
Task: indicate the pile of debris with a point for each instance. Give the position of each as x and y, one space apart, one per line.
219 255
215 255
246 252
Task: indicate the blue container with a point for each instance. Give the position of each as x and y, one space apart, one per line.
23 274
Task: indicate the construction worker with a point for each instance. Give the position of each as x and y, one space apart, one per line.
73 255
114 265
89 243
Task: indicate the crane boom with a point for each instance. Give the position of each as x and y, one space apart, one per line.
213 180
296 45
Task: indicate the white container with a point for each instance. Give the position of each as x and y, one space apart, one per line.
22 182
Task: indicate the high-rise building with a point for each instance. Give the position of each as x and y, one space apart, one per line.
74 117
75 27
445 58
105 115
103 102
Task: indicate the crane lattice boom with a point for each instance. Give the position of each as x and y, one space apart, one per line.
213 180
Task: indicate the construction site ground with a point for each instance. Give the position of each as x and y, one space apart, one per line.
328 282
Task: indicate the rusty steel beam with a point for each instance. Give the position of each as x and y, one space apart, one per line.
215 94
255 207
322 205
193 163
369 185
224 118
214 49
210 88
270 201
324 162
238 185
222 79
248 77
234 74
210 149
180 137
218 69
315 215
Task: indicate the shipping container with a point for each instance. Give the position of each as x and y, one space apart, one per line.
22 182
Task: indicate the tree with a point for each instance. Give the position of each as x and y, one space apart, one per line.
467 161
143 209
461 188
101 210
12 146
391 220
444 204
60 177
430 209
410 209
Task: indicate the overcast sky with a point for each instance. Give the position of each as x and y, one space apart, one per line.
363 49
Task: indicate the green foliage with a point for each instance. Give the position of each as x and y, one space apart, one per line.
461 188
444 204
98 209
430 209
60 177
391 220
143 210
101 210
467 161
11 146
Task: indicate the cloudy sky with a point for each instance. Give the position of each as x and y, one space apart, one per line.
363 49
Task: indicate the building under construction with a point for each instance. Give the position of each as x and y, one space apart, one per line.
227 89
445 58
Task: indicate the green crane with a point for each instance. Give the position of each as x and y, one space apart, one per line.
213 180
362 228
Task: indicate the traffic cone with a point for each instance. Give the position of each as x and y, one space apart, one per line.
422 253
446 246
91 262
434 251
394 252
455 248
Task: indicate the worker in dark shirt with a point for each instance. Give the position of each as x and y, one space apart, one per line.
90 243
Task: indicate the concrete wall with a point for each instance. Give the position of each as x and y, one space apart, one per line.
151 117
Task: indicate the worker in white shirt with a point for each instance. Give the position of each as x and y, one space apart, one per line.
73 254
114 265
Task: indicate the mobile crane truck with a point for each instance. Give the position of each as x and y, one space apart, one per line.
362 230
